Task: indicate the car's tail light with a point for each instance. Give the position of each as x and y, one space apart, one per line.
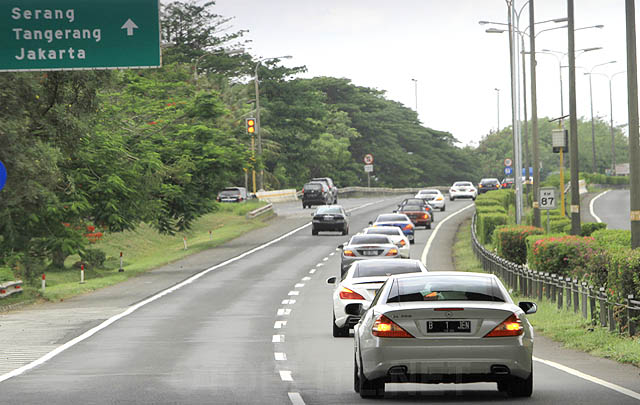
218 199
425 216
512 326
479 185
392 252
347 294
385 327
349 253
407 227
239 198
303 190
439 199
402 242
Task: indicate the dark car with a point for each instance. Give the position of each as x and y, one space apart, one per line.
333 190
507 182
315 193
488 185
330 218
417 213
233 194
418 201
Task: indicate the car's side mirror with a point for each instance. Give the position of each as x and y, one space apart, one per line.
331 280
370 222
528 307
341 246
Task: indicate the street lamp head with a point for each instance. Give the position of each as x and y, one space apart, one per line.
559 20
599 26
494 31
595 48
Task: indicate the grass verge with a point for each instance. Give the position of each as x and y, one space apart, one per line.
143 249
562 326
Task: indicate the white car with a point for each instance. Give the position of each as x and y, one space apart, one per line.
434 197
359 285
444 327
395 234
462 189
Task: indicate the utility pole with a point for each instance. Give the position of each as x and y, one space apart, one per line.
534 118
498 108
513 51
415 86
634 147
573 125
527 162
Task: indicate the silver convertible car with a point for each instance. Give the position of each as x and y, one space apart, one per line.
365 247
444 327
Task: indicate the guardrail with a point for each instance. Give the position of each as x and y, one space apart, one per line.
277 195
9 288
259 211
381 190
591 301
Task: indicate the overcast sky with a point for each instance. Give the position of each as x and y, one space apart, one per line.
385 44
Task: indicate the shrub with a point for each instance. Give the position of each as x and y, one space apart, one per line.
501 197
6 274
624 273
587 228
613 238
490 209
511 241
93 257
487 223
559 225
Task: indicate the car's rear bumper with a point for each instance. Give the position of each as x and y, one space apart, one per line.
328 226
462 195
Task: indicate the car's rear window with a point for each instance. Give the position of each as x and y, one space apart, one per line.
446 288
466 184
389 267
364 239
429 192
329 210
229 193
383 230
413 207
490 182
313 186
391 218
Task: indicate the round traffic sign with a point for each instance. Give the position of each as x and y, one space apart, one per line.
508 162
508 170
368 158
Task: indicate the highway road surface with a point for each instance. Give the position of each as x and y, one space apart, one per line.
612 207
252 325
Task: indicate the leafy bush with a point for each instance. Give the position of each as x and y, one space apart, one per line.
624 273
588 228
502 197
511 241
93 257
559 225
491 209
597 178
486 223
613 237
6 274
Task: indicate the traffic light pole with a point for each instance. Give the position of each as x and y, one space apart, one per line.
253 162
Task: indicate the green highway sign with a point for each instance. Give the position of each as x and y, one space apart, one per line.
79 34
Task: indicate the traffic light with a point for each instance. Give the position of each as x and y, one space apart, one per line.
251 126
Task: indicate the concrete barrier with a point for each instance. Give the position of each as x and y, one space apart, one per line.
259 211
277 195
12 287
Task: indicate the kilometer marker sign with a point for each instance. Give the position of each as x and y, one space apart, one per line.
42 35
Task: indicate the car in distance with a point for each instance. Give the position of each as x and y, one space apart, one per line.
507 182
462 189
359 285
333 190
366 247
444 327
315 193
419 201
330 218
398 220
233 194
434 197
488 185
418 214
395 234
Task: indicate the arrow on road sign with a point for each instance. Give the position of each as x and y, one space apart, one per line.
129 26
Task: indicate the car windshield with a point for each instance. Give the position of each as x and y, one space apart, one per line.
329 210
389 267
413 207
462 184
391 218
229 193
446 288
383 230
312 186
369 239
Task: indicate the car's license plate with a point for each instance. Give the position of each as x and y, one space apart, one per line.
369 253
328 217
448 326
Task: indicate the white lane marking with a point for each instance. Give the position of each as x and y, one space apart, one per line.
288 302
312 271
432 237
319 264
296 398
277 339
284 312
325 259
306 278
332 253
593 200
294 292
285 375
299 285
279 356
590 378
279 324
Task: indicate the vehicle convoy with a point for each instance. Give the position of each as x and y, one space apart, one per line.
418 214
398 220
233 194
417 201
395 234
444 327
462 189
333 190
434 197
330 218
365 247
315 193
359 285
488 185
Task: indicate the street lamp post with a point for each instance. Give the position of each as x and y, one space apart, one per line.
258 127
593 131
498 108
415 85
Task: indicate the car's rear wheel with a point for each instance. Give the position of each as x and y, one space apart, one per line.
412 241
451 198
442 209
314 231
370 388
356 377
345 231
428 226
339 332
518 387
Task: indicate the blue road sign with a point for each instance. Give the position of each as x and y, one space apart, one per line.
530 171
3 175
508 170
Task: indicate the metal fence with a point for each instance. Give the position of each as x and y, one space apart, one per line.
591 301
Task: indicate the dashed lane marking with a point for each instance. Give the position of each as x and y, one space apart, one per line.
279 356
294 292
306 278
284 311
279 324
288 302
319 264
332 253
277 339
296 398
312 271
299 285
325 259
285 375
